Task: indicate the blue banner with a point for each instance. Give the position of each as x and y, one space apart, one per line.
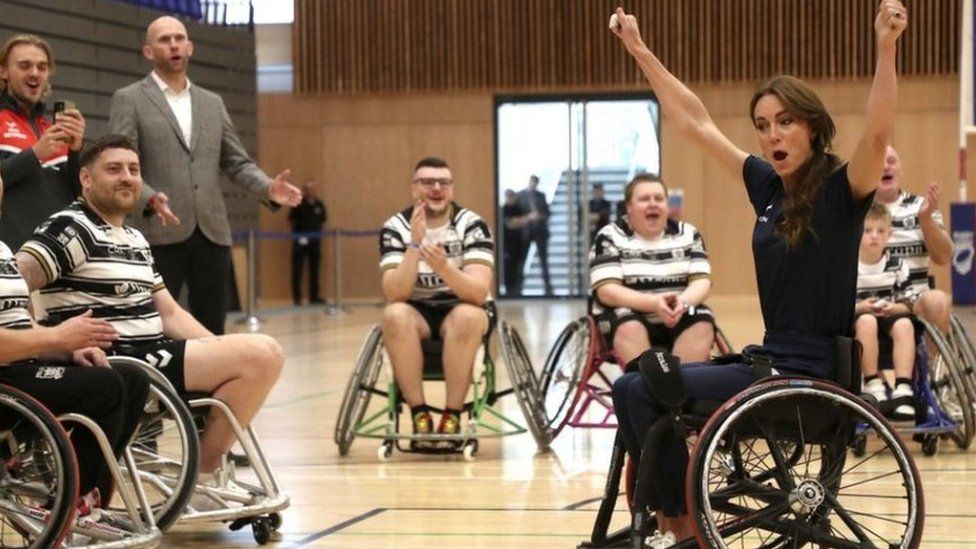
963 224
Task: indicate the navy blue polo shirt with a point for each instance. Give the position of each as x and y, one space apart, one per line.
807 293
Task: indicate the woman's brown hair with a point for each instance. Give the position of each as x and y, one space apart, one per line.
802 102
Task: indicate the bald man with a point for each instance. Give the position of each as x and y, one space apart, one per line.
186 140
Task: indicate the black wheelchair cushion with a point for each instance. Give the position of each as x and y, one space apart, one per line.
433 351
662 373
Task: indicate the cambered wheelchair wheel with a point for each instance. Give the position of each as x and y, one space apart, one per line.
950 389
560 384
38 477
525 384
744 491
166 450
964 347
359 389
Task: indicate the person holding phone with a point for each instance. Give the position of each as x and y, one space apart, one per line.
38 156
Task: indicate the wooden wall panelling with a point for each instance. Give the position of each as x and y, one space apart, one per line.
401 45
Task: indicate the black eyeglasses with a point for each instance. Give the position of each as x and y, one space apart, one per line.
429 182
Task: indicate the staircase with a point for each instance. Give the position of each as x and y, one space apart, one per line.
568 241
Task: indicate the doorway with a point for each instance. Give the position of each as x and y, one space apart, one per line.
560 161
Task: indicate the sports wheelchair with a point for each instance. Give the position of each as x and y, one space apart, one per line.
943 400
577 375
167 448
774 467
39 484
485 419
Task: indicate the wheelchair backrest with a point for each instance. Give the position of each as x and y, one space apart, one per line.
845 365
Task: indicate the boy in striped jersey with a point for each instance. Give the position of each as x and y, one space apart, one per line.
649 276
919 237
884 306
84 257
437 260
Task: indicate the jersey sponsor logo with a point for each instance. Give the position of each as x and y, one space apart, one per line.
905 223
13 131
159 359
907 250
9 303
50 372
430 280
129 288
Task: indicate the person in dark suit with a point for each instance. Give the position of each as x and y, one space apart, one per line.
514 221
307 217
534 202
186 140
599 210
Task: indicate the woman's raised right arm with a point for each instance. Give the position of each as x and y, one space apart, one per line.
680 106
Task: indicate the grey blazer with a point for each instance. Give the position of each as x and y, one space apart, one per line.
189 173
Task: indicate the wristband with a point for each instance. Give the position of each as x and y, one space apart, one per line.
413 245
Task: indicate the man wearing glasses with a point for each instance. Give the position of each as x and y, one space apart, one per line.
436 259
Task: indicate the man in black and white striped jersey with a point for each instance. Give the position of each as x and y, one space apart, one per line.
919 238
437 261
84 257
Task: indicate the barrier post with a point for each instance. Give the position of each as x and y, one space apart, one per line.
250 307
335 308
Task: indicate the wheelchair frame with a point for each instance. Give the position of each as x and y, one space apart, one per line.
133 526
242 503
566 394
804 504
384 423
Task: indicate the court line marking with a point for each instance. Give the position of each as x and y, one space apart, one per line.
338 527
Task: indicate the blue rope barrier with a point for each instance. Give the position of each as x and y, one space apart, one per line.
282 235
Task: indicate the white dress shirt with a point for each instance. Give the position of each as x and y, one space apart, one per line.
179 102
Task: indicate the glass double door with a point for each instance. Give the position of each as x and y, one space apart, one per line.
562 165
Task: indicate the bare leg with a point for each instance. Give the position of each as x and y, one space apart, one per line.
903 347
630 340
239 370
935 306
403 329
695 343
462 332
866 331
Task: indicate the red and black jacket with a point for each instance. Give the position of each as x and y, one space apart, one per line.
33 188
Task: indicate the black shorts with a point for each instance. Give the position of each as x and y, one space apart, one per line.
166 355
659 334
885 323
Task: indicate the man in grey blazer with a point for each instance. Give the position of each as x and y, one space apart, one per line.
186 139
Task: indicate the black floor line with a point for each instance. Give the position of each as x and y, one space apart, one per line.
341 526
578 504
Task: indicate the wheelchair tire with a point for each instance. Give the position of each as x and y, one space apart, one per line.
525 384
166 449
951 391
964 346
39 474
560 384
806 502
359 389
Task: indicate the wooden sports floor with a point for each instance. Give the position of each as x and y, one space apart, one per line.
512 496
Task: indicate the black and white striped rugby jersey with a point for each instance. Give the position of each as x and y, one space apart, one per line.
906 239
91 264
887 279
666 264
466 239
14 294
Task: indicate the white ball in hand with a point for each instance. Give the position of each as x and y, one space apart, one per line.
614 23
